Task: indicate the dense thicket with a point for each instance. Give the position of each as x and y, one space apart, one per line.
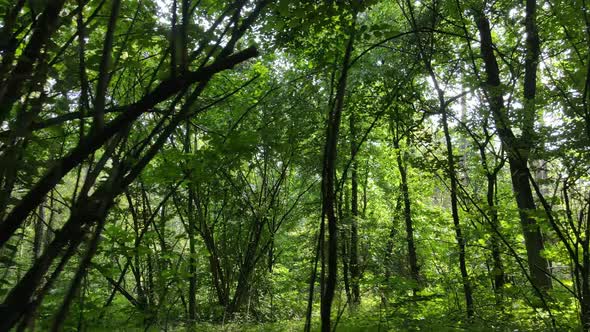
289 165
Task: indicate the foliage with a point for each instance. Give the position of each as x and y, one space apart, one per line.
161 165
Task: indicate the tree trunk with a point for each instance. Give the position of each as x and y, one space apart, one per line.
517 158
497 275
498 267
191 227
585 305
455 212
354 209
39 233
328 189
38 242
344 255
412 256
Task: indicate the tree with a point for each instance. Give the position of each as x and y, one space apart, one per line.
209 164
518 149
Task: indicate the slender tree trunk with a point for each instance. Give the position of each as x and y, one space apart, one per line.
412 256
136 266
354 209
344 254
191 227
217 273
498 276
585 305
82 270
393 231
104 72
163 262
313 278
38 242
49 232
39 233
455 212
218 280
443 109
498 267
150 281
328 189
581 272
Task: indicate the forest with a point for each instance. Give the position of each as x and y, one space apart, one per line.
294 165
